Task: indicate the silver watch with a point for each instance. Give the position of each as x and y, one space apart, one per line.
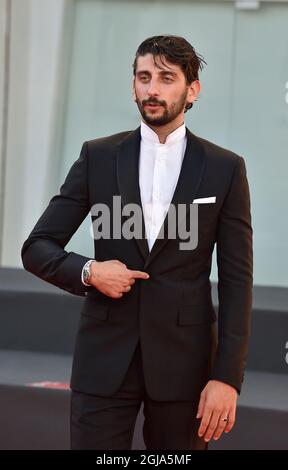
86 272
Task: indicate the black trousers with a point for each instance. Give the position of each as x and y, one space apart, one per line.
107 423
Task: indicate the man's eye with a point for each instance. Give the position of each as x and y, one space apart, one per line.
144 78
168 79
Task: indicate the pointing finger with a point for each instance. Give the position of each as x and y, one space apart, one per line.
139 274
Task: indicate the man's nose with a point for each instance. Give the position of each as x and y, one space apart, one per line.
153 88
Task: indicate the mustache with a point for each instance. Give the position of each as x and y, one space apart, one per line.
153 101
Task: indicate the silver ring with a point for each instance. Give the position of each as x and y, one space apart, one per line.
224 419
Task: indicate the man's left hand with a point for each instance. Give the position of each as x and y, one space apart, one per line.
217 402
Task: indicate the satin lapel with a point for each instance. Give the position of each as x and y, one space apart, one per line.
128 180
186 188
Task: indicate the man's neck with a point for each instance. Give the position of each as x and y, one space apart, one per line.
165 130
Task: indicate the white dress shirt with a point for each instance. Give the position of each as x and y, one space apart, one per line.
159 169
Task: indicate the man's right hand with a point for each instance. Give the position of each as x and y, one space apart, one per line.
113 278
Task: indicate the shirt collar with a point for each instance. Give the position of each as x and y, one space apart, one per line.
148 135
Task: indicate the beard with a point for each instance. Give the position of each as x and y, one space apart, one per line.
168 114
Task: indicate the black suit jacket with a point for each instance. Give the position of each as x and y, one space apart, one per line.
172 312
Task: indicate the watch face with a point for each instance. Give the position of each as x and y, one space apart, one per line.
86 274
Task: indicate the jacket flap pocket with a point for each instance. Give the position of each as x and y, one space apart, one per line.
92 308
196 314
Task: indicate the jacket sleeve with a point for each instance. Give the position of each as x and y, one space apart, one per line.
43 252
235 280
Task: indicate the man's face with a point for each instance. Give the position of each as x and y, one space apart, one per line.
160 91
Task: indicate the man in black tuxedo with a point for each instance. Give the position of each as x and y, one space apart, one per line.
147 330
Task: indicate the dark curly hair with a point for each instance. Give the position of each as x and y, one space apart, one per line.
176 50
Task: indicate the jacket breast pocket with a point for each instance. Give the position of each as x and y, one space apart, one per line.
195 314
97 310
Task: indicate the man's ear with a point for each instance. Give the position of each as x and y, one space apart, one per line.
193 91
133 91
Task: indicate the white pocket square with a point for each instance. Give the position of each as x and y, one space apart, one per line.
205 200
